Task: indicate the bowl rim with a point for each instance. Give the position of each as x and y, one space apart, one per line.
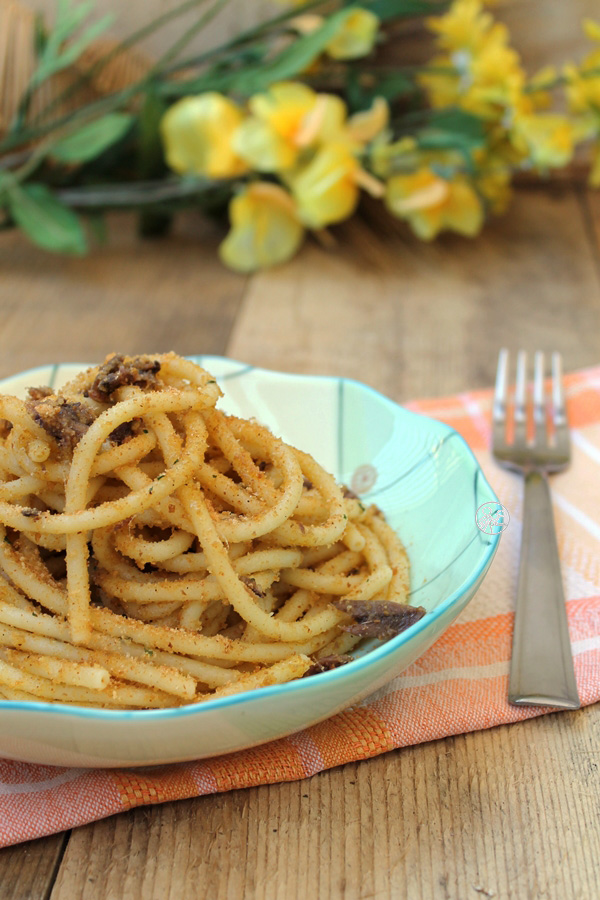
324 679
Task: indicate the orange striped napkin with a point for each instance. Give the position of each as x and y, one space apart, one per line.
459 685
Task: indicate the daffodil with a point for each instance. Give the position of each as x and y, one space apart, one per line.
327 189
197 134
547 140
431 204
356 36
265 229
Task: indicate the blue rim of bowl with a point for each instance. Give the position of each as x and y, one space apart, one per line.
315 682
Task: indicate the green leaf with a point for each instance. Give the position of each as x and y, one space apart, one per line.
45 221
92 139
55 53
362 88
452 129
292 60
150 160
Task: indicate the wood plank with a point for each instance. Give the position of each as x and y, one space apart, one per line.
27 870
505 813
590 201
414 319
130 296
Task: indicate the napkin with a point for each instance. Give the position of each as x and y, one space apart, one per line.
459 685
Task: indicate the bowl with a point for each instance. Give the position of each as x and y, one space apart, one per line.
423 476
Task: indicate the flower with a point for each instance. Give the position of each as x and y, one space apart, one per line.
431 204
356 37
327 189
287 118
363 126
478 71
197 134
265 228
583 82
493 185
547 141
291 119
463 28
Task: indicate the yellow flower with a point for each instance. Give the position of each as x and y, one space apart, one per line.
583 91
285 120
546 140
494 187
362 127
591 29
356 36
431 204
388 158
463 27
484 74
327 189
197 134
265 228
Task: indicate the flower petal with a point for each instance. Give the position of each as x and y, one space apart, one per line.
265 229
197 133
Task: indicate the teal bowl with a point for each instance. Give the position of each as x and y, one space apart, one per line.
423 476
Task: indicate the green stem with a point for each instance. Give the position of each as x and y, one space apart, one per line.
136 195
244 37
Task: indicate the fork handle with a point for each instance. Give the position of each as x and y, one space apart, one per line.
541 672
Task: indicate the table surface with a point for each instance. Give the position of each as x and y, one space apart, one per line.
511 812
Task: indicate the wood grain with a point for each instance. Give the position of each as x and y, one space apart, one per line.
413 319
27 872
132 296
505 813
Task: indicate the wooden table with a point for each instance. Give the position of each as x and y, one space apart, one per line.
512 812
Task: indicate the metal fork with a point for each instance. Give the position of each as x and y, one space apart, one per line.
541 670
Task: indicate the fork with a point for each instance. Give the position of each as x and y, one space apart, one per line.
541 669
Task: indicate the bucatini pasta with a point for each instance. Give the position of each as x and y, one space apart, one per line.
156 552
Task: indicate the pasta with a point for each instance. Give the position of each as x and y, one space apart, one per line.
155 551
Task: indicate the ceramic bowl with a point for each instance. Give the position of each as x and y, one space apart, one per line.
420 472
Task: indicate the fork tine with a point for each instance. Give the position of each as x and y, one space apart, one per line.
500 398
521 398
559 412
539 400
501 391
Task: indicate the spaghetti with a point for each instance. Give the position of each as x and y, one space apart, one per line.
156 551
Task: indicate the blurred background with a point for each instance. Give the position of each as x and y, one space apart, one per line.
543 30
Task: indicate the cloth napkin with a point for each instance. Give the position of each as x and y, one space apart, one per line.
459 685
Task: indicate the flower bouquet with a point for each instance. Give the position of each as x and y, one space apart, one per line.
283 127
